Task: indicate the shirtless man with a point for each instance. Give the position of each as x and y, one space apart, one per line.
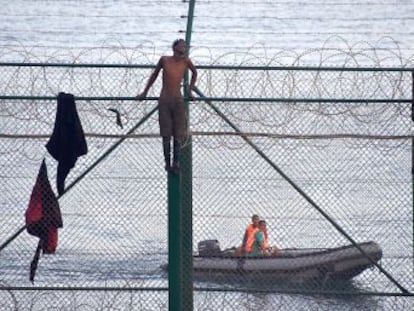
171 110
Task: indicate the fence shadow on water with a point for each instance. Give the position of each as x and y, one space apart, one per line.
324 155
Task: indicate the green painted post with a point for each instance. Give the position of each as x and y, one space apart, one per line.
180 217
187 190
187 227
174 243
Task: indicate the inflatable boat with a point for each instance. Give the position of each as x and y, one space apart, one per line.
292 265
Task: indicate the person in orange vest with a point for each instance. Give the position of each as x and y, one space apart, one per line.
249 236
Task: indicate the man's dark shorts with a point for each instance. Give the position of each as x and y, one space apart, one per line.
172 117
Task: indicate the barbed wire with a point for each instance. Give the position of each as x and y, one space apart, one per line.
30 119
334 50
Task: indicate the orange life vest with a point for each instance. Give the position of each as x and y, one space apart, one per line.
250 232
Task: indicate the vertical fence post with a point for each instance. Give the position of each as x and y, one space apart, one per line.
187 227
174 244
180 223
187 189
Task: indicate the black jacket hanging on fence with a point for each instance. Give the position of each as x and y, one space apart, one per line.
43 217
67 142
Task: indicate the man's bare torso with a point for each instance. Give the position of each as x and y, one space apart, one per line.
173 73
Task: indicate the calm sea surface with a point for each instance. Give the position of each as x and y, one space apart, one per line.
97 246
349 32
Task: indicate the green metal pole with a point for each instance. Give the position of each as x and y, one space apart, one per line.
180 235
187 199
187 227
175 300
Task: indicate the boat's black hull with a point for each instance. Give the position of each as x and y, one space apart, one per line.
294 265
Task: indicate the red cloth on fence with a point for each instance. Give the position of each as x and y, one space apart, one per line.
43 216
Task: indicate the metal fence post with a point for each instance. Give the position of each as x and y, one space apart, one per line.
187 226
186 192
174 243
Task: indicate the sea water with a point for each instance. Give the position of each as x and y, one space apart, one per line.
351 33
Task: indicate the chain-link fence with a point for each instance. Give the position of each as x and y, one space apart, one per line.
323 155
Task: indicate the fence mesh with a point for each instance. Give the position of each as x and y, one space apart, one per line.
324 156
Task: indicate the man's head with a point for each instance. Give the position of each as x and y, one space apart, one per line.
255 220
179 46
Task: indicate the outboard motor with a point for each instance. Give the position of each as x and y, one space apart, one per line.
208 248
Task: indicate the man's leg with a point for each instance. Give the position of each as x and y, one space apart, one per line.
166 144
165 123
176 155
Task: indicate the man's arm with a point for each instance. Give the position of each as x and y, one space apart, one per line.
151 80
193 78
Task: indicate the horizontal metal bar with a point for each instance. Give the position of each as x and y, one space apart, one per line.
304 100
305 68
85 98
79 288
212 67
221 99
202 289
74 65
222 134
302 291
